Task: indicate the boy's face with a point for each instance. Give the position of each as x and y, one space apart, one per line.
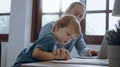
64 35
78 11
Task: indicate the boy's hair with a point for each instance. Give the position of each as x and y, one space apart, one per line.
68 20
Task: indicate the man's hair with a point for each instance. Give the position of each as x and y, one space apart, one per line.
76 3
72 5
69 20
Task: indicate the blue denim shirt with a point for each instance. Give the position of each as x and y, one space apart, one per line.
78 43
46 43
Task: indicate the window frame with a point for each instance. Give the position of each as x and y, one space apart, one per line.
36 17
97 39
4 37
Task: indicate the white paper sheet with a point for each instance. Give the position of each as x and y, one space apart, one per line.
83 61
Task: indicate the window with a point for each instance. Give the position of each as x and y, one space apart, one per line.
4 19
55 10
98 20
98 17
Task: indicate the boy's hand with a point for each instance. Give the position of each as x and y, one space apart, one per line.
62 54
57 54
67 55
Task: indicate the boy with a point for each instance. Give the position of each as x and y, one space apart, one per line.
64 30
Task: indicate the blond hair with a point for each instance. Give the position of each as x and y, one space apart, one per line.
68 20
72 5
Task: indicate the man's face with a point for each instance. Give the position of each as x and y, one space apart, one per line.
78 11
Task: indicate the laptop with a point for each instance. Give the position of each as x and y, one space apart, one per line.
103 50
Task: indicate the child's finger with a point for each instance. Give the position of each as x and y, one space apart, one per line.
54 52
68 55
63 53
58 52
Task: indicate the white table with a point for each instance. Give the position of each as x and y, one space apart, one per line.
59 64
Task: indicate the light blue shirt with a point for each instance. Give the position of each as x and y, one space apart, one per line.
78 43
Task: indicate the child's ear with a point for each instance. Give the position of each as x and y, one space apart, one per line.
57 27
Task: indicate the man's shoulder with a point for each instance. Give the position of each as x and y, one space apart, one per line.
50 23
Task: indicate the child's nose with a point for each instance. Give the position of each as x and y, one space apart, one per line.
69 39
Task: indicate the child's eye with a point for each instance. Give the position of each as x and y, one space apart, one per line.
68 34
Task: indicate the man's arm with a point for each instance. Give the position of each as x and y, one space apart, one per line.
81 46
46 29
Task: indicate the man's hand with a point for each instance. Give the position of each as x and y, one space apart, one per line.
92 52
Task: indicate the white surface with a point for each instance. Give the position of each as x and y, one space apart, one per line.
103 62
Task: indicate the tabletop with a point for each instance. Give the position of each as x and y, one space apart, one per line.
69 63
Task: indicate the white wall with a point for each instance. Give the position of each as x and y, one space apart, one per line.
4 54
19 31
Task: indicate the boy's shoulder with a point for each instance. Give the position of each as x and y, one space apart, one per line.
48 35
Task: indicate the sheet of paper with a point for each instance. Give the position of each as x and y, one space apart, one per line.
87 57
83 61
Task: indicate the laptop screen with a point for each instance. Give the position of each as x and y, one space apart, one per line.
103 49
